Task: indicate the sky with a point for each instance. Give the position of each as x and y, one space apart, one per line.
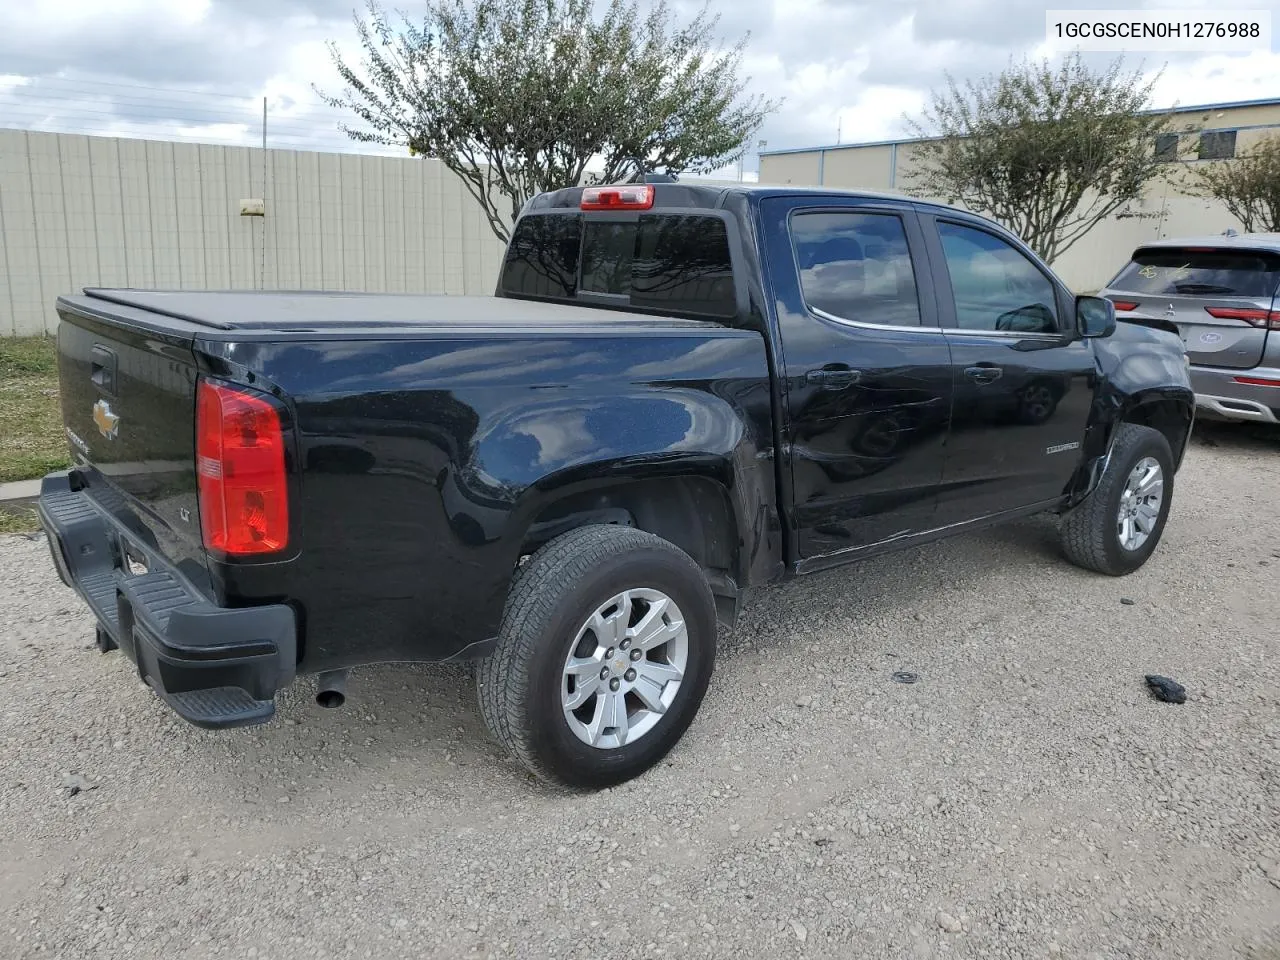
846 70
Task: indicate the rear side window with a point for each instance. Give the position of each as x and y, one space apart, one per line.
675 263
856 266
1198 272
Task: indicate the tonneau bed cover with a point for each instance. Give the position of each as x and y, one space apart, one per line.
318 311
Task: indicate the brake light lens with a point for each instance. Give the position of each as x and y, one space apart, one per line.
244 496
637 196
1267 319
1125 304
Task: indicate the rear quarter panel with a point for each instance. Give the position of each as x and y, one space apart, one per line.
425 461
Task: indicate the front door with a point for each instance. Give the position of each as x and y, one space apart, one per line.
1023 381
865 370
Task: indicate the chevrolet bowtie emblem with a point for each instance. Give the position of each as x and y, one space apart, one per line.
108 423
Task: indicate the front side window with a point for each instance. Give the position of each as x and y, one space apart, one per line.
856 266
994 284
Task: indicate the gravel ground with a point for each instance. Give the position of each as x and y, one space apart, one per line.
1025 798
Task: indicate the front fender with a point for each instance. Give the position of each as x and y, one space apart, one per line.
1143 379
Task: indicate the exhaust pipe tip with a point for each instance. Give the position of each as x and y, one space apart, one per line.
331 689
331 699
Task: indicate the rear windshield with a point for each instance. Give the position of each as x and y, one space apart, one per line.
675 263
1210 273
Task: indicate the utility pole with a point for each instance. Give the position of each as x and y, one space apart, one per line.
262 272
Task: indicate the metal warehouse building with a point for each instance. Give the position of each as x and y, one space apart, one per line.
1206 134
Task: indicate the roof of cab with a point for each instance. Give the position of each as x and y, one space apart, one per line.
694 196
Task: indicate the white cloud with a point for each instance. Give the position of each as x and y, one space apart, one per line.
1220 78
200 68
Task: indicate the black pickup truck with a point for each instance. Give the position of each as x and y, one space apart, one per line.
678 394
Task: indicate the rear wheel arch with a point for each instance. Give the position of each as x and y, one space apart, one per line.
695 514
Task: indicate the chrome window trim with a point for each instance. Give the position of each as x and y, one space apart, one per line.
1009 334
864 325
919 328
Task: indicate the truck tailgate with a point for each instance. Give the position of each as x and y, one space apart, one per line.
128 384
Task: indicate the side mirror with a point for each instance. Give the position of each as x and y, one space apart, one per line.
1095 317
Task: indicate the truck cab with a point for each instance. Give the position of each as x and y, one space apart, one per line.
928 370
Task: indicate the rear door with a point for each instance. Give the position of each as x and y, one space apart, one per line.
865 369
1222 300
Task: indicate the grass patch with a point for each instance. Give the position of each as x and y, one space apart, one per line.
18 519
32 442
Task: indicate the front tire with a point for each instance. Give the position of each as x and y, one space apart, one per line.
606 649
1119 524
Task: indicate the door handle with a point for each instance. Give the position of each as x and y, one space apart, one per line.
833 379
984 372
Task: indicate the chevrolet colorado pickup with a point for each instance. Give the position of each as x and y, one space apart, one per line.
678 394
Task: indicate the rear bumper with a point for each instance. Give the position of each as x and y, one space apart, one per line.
214 666
1219 395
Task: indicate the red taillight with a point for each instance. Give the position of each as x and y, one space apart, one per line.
244 496
1125 304
1257 381
1256 318
629 197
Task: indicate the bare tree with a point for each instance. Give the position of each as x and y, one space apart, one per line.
1049 152
519 96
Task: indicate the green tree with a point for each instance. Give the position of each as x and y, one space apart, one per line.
520 96
1248 186
1049 152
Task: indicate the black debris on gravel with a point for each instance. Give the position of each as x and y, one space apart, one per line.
1162 688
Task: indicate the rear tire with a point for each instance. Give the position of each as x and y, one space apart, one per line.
1094 534
564 609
